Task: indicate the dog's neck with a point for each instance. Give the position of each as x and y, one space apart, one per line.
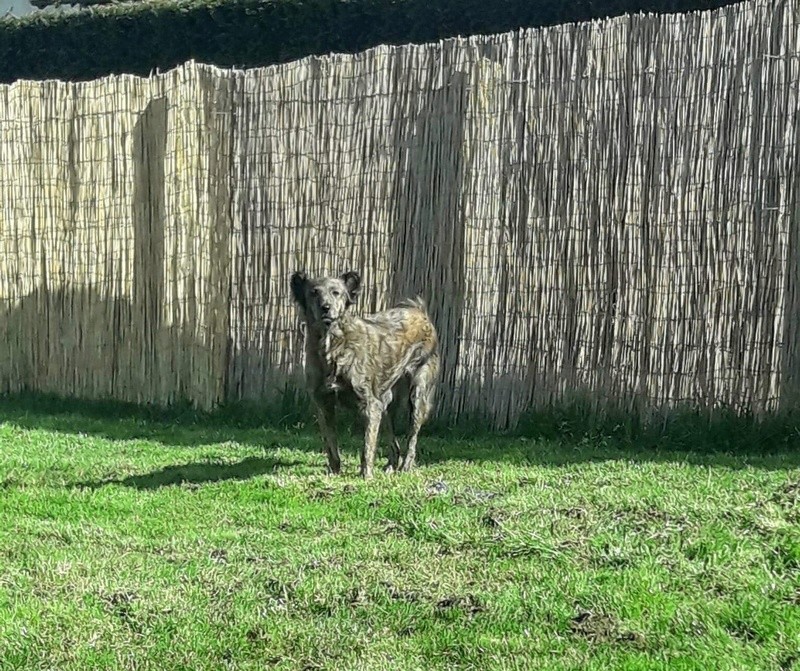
323 336
324 345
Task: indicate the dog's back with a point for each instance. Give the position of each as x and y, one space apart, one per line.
408 325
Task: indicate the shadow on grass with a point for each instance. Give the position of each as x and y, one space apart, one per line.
196 474
554 438
176 426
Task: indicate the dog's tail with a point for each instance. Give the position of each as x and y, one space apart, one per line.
417 302
431 340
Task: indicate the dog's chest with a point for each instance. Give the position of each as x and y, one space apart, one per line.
338 363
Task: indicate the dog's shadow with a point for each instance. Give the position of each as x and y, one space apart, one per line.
197 473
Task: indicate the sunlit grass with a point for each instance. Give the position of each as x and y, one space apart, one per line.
131 540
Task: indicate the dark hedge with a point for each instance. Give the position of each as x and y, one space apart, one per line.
138 37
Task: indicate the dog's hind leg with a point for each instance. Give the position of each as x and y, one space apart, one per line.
326 417
393 401
421 398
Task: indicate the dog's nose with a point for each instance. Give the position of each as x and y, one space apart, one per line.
326 307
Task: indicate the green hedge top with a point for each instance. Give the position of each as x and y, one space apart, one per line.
138 37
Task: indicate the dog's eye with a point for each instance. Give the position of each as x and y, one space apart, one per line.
337 293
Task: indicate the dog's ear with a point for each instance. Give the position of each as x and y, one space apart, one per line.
298 284
352 280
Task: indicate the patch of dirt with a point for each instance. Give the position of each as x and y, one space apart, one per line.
493 519
321 494
743 631
437 488
600 628
325 488
117 599
564 521
594 626
392 528
400 595
576 513
469 604
280 593
219 556
644 520
533 482
120 604
319 606
471 497
256 635
168 554
357 597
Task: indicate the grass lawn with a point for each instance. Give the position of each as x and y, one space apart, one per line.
129 541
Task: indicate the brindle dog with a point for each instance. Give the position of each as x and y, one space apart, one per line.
390 355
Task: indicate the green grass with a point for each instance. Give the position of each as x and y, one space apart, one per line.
135 539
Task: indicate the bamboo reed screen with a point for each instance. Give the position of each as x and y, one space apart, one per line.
606 210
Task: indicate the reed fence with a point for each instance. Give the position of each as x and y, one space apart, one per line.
605 210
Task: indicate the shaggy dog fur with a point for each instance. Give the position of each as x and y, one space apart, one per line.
373 360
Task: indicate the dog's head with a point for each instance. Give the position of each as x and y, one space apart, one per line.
325 300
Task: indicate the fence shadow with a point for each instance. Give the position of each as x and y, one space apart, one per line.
551 439
428 237
103 340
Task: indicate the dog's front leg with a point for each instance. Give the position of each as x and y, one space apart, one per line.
373 410
326 416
